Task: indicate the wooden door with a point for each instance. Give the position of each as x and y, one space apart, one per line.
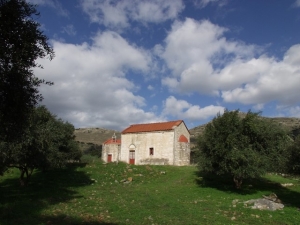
132 157
109 158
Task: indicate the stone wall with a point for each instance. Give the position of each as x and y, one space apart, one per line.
182 149
162 143
113 149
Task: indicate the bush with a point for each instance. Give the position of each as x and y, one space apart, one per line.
94 150
87 158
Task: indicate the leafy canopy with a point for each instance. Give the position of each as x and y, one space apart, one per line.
242 147
21 44
48 143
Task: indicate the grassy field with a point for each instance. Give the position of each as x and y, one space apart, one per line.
92 194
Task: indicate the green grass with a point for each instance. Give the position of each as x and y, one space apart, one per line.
92 194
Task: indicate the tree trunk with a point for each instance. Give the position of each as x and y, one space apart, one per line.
238 182
22 180
25 175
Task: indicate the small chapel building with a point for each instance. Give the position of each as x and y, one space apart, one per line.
164 143
111 149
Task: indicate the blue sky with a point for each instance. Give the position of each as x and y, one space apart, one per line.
137 61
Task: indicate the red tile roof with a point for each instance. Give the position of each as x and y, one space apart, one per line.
183 138
148 127
111 141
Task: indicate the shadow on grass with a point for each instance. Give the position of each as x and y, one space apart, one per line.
23 205
250 186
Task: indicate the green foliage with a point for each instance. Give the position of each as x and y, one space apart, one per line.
94 150
293 163
48 142
87 158
242 147
21 44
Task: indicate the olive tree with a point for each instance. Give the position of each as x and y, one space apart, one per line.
293 163
21 44
242 146
48 143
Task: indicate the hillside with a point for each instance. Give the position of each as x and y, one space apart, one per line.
94 135
99 135
292 124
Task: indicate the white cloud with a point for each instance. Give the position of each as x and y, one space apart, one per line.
69 29
294 111
203 60
119 13
91 88
258 107
184 110
39 2
190 41
156 10
194 51
204 3
297 3
276 80
150 87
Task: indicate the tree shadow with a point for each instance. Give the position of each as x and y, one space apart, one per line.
23 205
250 186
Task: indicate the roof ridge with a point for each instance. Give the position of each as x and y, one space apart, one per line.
148 127
156 122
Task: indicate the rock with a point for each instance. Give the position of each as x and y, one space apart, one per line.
235 201
138 175
287 185
264 204
273 197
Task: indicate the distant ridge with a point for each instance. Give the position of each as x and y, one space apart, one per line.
94 135
99 135
292 124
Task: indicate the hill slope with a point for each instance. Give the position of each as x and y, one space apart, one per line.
292 124
94 135
99 135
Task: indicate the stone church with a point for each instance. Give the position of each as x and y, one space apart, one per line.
164 143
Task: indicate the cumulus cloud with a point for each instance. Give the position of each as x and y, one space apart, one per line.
275 80
184 110
194 50
203 60
91 86
120 13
